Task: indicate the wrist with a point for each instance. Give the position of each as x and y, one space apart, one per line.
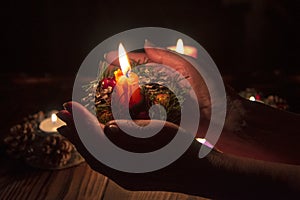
232 177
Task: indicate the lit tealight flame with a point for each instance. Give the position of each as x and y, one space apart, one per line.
53 118
179 46
201 140
252 98
123 59
204 142
185 50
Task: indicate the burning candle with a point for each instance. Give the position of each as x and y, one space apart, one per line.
49 125
186 50
255 98
127 87
252 98
205 142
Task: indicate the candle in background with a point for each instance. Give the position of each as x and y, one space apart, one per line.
127 81
186 50
255 98
49 125
205 142
252 98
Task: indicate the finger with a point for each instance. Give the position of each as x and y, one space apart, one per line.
166 57
113 57
83 116
86 123
72 135
68 106
140 145
65 116
69 134
183 65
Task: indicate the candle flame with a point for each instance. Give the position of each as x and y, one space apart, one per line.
252 98
204 142
53 118
201 140
179 46
123 59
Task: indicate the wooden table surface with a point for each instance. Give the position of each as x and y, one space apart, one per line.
19 181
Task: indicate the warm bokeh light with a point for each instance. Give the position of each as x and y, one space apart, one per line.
184 50
204 142
252 98
201 140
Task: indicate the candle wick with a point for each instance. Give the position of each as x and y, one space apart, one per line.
128 73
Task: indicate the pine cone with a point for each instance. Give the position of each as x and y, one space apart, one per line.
20 140
56 151
103 99
43 150
276 102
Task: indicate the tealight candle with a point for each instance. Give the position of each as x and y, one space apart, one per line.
50 125
205 142
186 50
127 87
257 99
252 98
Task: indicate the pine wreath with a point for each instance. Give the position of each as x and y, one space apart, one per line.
152 87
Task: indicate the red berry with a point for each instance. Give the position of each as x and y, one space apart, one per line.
108 82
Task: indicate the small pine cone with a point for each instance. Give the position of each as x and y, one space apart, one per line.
65 146
47 149
104 116
277 102
62 159
66 157
59 159
20 139
15 130
57 151
52 140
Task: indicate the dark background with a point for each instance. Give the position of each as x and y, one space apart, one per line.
241 35
253 42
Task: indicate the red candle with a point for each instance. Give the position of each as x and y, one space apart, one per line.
127 89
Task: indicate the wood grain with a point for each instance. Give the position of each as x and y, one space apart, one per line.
114 191
79 182
18 182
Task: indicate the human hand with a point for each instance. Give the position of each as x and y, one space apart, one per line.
245 127
174 177
182 170
206 177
